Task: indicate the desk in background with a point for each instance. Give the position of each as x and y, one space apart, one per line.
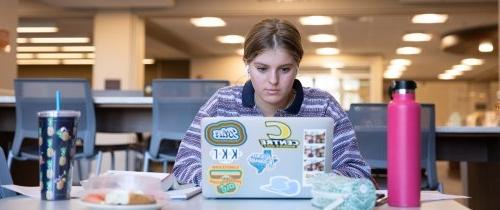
201 203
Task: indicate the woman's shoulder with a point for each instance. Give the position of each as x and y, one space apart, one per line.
315 94
234 90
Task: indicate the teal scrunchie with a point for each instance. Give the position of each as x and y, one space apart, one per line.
331 191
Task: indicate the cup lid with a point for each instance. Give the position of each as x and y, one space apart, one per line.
60 113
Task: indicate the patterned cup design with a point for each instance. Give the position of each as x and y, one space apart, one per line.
57 148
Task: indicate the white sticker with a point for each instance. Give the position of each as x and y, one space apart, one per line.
283 186
225 154
314 154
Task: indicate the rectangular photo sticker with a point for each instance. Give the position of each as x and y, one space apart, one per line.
313 154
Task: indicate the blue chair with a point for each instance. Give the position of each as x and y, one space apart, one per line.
5 177
35 95
370 124
175 104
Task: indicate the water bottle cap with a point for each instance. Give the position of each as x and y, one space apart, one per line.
404 84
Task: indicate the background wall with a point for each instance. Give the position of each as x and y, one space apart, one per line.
8 68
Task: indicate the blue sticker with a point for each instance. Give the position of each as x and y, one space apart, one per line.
283 186
261 161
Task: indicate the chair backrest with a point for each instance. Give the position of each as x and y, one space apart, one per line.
5 177
370 125
175 103
35 95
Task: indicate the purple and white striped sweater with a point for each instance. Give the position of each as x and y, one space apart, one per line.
236 101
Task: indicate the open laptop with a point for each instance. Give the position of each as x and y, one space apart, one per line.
263 157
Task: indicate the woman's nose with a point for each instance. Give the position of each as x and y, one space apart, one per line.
273 78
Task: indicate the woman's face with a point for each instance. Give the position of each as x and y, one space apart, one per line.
272 74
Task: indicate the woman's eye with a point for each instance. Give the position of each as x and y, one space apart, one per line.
285 69
261 69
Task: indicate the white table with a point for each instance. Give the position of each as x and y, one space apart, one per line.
200 203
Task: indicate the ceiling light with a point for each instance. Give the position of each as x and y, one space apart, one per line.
78 61
90 55
392 74
78 48
429 18
38 62
472 61
453 72
148 61
59 55
37 29
333 64
408 50
462 67
25 55
7 48
37 49
316 20
448 41
401 62
59 40
231 39
327 51
22 40
208 22
417 37
485 46
322 38
445 77
240 51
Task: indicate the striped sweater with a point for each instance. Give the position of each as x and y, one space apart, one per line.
236 101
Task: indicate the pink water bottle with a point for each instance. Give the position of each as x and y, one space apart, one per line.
403 146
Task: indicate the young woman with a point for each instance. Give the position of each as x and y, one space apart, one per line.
272 54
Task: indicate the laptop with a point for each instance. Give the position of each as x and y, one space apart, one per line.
263 157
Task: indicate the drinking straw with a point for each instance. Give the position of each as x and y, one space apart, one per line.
58 100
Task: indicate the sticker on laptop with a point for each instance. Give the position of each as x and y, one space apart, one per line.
225 154
227 179
226 133
261 161
278 136
282 185
314 154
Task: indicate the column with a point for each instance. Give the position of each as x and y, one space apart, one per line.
8 65
119 39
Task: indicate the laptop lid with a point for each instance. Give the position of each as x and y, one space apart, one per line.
264 157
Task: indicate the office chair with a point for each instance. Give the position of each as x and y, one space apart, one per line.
175 103
370 125
5 177
35 95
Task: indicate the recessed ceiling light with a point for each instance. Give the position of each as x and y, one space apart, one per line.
77 61
148 61
322 38
316 20
392 74
78 48
485 46
59 55
37 49
448 41
472 61
7 48
429 18
445 77
22 40
408 50
38 62
333 64
25 55
327 51
462 67
231 39
37 29
453 72
208 22
401 62
417 37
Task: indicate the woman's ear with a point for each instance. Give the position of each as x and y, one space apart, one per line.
247 68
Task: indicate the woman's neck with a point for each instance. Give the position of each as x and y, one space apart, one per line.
270 109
